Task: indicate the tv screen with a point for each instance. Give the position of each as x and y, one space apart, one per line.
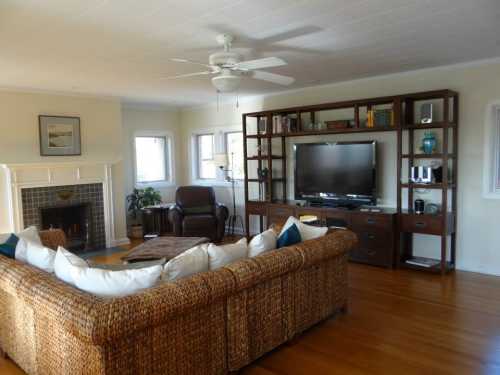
336 170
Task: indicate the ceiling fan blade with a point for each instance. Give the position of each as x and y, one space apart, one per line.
267 62
189 75
274 78
175 59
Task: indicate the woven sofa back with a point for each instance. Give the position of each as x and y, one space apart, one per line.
40 313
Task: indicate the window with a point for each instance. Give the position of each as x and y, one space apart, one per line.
205 146
234 150
496 149
492 154
152 159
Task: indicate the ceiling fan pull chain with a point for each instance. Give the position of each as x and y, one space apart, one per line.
237 99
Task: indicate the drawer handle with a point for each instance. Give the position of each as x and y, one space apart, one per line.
370 236
370 221
420 225
371 252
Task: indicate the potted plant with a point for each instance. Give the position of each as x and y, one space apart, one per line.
137 200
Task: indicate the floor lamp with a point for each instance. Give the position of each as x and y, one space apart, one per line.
222 162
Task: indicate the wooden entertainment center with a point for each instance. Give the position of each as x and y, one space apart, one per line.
385 234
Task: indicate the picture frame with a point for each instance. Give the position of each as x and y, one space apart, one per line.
59 135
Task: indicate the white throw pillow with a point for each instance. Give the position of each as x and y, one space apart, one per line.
194 260
307 232
28 234
219 256
40 256
106 283
63 263
262 242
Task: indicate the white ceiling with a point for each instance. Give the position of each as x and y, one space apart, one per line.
122 47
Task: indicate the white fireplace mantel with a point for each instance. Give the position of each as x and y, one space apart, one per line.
20 176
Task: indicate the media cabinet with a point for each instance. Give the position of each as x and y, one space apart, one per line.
386 237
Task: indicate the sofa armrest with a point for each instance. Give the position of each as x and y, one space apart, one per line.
334 243
53 238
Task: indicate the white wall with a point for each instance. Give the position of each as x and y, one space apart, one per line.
101 136
478 84
154 121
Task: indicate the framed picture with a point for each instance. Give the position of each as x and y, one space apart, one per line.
59 135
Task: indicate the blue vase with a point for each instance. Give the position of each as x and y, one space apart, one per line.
429 143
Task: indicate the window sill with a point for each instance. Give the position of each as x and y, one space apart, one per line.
217 183
155 184
491 195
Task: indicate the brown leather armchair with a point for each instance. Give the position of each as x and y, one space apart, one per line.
197 214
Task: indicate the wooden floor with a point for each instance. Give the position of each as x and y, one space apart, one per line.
399 322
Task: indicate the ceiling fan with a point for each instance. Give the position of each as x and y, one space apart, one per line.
227 67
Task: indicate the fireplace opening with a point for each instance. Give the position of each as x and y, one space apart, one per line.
74 220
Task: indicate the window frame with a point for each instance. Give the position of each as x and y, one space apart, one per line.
169 159
226 148
491 181
198 156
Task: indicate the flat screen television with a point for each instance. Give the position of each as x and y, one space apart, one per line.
337 171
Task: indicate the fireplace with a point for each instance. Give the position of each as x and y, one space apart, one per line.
74 220
76 209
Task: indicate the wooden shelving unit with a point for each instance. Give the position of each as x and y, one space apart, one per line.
403 124
448 186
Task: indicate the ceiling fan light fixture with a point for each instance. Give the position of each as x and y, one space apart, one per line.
226 83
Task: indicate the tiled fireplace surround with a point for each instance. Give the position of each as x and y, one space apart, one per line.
35 199
29 187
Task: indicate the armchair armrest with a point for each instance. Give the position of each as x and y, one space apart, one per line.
175 216
221 214
221 211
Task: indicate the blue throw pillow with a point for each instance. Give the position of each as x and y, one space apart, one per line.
289 237
9 247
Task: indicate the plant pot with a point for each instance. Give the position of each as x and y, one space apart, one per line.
136 231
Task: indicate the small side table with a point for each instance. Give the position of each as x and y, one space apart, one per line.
155 219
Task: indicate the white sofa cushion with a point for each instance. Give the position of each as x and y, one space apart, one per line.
262 242
40 256
219 256
188 263
307 232
28 234
63 263
106 283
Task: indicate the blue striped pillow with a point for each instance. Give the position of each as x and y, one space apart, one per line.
9 247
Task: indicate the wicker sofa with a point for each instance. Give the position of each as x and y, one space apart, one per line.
211 323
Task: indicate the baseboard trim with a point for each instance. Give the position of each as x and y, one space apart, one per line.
120 241
479 270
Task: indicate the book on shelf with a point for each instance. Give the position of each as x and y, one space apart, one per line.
423 262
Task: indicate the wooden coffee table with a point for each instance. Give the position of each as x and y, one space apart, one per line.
166 247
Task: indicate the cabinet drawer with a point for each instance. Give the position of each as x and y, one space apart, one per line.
425 224
256 208
370 222
338 218
377 257
375 239
281 211
278 220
